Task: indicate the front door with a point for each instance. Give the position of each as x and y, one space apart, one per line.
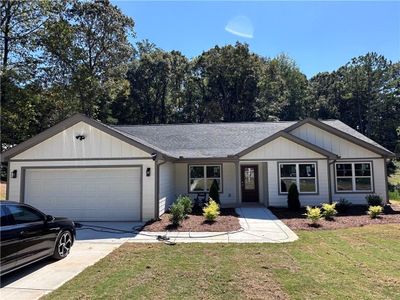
249 182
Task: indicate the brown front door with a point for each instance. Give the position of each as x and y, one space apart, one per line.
249 182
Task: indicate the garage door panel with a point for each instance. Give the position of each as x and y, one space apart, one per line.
86 194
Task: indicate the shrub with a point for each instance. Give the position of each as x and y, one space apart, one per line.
375 211
313 214
211 211
329 210
214 191
177 211
293 198
374 200
186 203
343 205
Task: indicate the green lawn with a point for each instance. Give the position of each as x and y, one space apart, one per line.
356 263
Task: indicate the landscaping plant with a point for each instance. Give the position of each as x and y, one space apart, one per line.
374 200
211 211
177 211
329 210
186 203
214 191
375 211
313 214
293 198
343 205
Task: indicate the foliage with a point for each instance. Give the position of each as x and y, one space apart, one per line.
293 198
329 210
186 202
313 214
214 191
374 200
177 211
343 205
63 57
211 211
375 211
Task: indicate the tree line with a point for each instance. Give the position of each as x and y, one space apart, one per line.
67 56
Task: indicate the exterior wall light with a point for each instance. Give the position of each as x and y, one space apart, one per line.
14 174
148 172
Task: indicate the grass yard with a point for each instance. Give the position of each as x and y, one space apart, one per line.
355 263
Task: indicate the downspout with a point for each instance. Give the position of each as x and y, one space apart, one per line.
330 179
386 181
158 163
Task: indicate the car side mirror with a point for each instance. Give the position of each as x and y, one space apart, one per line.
49 218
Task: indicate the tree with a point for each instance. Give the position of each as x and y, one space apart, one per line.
293 198
88 52
230 76
214 191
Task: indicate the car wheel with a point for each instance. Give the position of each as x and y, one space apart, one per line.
63 245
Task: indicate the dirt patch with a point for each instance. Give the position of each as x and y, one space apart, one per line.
195 222
356 216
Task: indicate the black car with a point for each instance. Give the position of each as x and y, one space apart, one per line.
28 235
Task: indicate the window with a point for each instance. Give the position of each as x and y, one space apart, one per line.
23 214
302 174
354 177
202 177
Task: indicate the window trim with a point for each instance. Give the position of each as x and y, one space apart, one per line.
221 188
297 178
353 177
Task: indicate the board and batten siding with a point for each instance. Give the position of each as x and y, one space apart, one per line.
167 187
284 150
349 152
98 149
331 142
281 148
97 144
228 197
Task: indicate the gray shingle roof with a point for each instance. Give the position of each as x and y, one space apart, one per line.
214 139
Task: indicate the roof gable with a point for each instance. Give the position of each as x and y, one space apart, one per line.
64 125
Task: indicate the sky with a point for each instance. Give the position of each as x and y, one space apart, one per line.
319 36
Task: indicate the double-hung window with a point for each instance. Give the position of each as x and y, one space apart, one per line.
304 175
353 177
201 177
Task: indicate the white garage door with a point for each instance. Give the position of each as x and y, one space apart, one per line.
86 194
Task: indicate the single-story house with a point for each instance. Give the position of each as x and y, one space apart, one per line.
90 171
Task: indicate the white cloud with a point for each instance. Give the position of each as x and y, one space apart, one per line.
240 26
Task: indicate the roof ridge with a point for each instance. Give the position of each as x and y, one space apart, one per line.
211 123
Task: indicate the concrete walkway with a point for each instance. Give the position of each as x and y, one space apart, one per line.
38 279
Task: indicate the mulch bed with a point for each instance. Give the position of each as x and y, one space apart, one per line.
195 222
356 216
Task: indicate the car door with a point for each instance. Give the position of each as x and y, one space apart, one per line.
34 242
9 241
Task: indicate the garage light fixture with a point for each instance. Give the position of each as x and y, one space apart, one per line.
148 172
14 174
80 137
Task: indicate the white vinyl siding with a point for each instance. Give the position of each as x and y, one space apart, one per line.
167 187
97 144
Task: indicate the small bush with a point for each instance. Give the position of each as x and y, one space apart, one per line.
293 198
375 211
186 203
329 210
343 205
214 191
211 211
177 211
374 200
313 214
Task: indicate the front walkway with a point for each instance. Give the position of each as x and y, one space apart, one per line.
258 224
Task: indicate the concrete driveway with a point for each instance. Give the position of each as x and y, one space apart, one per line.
41 278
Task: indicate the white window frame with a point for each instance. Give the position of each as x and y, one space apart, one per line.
205 177
353 177
298 178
